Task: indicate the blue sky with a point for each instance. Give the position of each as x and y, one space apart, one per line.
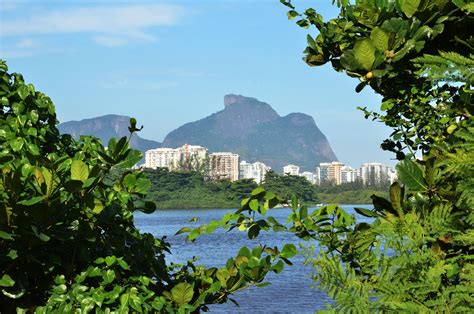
171 62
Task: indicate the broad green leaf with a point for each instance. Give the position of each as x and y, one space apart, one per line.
366 212
411 175
124 299
13 254
379 39
253 231
31 201
5 235
288 251
33 149
278 267
263 284
451 128
409 7
311 42
79 170
253 205
396 198
108 276
182 293
396 25
244 251
142 185
18 108
132 158
364 53
258 191
48 179
17 144
223 275
121 144
98 206
183 230
292 14
130 180
60 289
23 91
6 281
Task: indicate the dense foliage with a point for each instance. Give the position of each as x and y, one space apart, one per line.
171 189
192 189
417 254
67 238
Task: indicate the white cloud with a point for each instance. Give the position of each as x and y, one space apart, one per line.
10 5
113 25
25 43
110 41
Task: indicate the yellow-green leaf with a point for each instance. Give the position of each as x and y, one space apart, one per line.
409 7
79 170
379 39
182 293
364 53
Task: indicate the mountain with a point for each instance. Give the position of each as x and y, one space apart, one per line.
255 131
106 127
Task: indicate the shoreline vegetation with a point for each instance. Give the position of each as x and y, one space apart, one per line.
190 190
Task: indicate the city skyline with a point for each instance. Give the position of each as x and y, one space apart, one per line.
228 165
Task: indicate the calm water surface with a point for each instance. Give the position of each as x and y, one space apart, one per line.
291 291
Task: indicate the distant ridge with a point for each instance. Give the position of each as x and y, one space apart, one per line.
246 126
106 127
255 131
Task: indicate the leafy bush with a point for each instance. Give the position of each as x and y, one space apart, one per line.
67 235
416 255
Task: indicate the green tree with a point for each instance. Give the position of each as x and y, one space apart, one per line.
67 238
417 253
287 185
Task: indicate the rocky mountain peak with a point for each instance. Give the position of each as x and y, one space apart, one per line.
231 99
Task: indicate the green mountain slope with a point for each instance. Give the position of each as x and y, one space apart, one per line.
106 127
255 131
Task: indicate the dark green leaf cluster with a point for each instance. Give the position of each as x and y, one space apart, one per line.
191 189
67 235
401 49
416 255
287 185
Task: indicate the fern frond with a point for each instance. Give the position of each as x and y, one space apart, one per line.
447 67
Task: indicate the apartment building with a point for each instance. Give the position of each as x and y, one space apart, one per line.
186 156
161 158
224 165
348 174
373 173
255 171
291 170
311 177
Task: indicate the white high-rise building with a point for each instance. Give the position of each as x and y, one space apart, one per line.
348 174
256 171
291 170
191 157
174 158
373 173
224 165
322 172
392 176
161 158
311 177
329 172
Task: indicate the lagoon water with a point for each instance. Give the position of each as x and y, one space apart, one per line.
291 291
